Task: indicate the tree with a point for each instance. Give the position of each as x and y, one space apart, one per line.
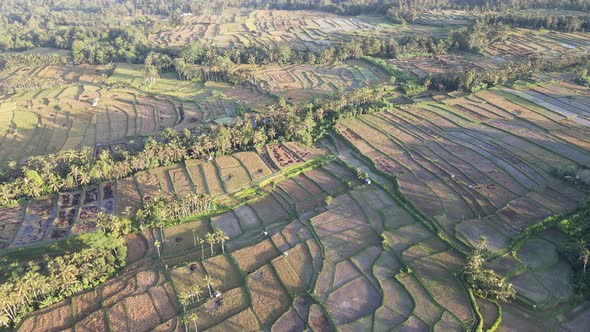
157 245
211 239
185 321
196 290
209 281
485 282
221 237
584 254
184 297
194 317
195 237
202 242
481 245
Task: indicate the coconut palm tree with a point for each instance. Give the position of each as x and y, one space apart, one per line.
195 237
202 242
482 244
196 290
211 239
194 317
185 321
209 282
183 298
221 238
584 253
585 257
157 245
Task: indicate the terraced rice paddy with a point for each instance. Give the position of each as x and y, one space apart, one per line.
523 42
141 298
323 250
480 165
79 112
278 28
297 83
443 64
49 219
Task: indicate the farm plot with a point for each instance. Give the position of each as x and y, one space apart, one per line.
191 98
47 219
489 155
141 298
545 279
36 223
523 42
422 66
296 83
279 28
469 172
76 212
10 221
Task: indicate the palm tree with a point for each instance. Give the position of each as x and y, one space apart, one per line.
221 238
185 320
194 317
584 253
157 245
482 244
211 239
195 236
202 242
209 282
184 297
84 178
196 290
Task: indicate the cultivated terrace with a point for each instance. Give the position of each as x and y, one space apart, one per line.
337 165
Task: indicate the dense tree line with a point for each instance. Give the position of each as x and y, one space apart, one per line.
534 21
27 285
23 83
576 225
15 60
472 80
166 209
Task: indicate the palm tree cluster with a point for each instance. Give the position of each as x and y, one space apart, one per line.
166 209
24 83
70 169
218 236
15 60
485 282
187 297
26 286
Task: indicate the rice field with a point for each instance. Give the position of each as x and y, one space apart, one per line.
317 246
307 30
80 112
481 165
297 83
45 220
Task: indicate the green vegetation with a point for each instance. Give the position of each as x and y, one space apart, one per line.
294 168
576 225
485 282
27 285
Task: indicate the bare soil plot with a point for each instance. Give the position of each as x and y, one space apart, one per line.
269 298
217 310
255 166
253 257
181 238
